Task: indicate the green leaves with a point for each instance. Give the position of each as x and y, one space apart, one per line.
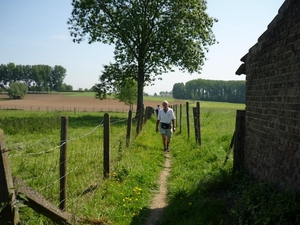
160 33
35 77
261 203
150 36
17 90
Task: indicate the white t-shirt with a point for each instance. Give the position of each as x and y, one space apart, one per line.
166 117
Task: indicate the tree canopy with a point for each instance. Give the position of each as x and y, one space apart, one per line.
17 90
126 92
150 36
35 77
211 90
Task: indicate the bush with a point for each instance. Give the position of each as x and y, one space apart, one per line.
261 203
17 90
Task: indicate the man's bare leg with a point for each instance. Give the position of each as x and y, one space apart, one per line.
164 139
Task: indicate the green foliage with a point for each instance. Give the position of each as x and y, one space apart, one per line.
35 77
17 90
179 91
262 203
126 92
120 197
211 90
201 187
36 124
150 37
66 87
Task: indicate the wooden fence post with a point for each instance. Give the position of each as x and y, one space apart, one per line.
63 163
146 114
9 213
106 152
138 123
239 141
180 118
198 123
195 114
188 118
176 114
149 112
129 123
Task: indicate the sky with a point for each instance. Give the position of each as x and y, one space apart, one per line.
36 32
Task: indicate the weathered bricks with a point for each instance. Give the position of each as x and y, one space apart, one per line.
272 142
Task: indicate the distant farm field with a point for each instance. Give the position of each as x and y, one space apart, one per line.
73 101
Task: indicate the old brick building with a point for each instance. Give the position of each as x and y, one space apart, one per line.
272 68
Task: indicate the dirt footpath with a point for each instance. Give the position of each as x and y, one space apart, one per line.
159 202
62 102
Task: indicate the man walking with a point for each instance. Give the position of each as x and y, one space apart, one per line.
165 124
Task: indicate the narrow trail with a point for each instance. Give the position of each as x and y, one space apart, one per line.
159 201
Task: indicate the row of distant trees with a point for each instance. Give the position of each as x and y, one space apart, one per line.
35 77
211 90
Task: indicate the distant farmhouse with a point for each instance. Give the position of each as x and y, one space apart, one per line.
272 69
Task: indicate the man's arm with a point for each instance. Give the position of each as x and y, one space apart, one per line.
157 123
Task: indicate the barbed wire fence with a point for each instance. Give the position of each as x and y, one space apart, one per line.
75 109
38 168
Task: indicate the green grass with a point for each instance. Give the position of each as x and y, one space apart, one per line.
159 98
79 94
92 94
201 187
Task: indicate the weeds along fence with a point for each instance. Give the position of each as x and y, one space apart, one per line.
68 172
65 175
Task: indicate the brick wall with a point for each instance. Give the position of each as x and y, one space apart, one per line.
272 142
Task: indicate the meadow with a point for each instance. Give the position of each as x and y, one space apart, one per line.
201 187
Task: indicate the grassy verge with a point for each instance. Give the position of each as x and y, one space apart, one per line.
201 186
33 140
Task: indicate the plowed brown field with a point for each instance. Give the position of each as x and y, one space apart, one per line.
62 102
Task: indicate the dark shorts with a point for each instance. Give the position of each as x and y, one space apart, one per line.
167 132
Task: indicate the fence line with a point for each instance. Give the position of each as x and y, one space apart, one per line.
43 175
83 157
65 109
67 141
45 153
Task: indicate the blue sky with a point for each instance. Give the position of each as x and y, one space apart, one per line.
36 32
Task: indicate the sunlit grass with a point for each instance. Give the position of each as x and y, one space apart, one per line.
199 185
126 197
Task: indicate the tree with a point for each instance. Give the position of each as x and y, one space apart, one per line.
178 91
150 36
123 87
17 90
69 87
57 77
3 76
212 90
126 92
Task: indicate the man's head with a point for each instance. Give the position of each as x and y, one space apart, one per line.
165 104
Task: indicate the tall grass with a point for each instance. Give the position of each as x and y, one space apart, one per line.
201 186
